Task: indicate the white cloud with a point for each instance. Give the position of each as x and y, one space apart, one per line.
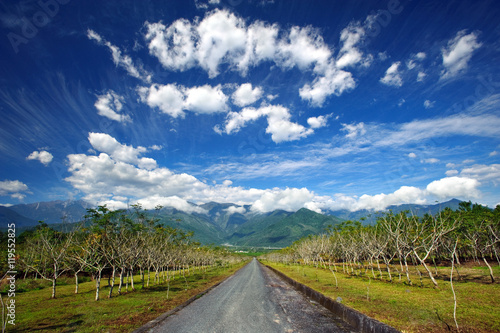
119 152
13 188
156 147
458 53
120 59
421 76
428 104
430 160
450 173
392 76
109 105
246 95
173 100
171 201
318 122
493 153
278 119
333 82
108 179
236 209
43 156
288 199
406 194
173 46
483 173
354 130
205 99
420 56
349 53
418 130
222 38
452 187
168 98
412 155
304 47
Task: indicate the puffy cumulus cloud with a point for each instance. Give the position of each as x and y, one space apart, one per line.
318 122
392 76
261 45
172 201
220 35
278 118
173 99
109 105
406 194
222 38
236 209
412 155
120 59
13 188
43 156
246 95
334 82
168 98
101 177
289 199
119 152
458 52
354 130
452 187
304 47
174 45
205 99
350 54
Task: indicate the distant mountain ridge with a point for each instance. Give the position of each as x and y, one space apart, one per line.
223 223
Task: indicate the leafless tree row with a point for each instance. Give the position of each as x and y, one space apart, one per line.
119 244
400 241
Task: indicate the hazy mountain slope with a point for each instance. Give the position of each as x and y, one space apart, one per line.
8 216
53 211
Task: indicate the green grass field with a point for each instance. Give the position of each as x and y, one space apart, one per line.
71 312
417 308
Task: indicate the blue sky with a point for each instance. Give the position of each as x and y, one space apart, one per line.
275 104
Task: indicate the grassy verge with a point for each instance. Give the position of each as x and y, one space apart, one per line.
417 308
35 311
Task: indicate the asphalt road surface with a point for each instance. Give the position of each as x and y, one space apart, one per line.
253 300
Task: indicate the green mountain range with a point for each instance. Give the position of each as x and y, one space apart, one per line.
218 223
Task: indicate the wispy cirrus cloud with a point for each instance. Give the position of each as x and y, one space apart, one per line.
120 59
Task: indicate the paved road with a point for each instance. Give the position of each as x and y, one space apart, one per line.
253 300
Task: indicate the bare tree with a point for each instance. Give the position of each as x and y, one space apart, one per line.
46 253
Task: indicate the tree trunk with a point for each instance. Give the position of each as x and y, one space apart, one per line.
76 282
111 286
491 270
54 287
122 269
407 272
132 279
97 285
427 269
